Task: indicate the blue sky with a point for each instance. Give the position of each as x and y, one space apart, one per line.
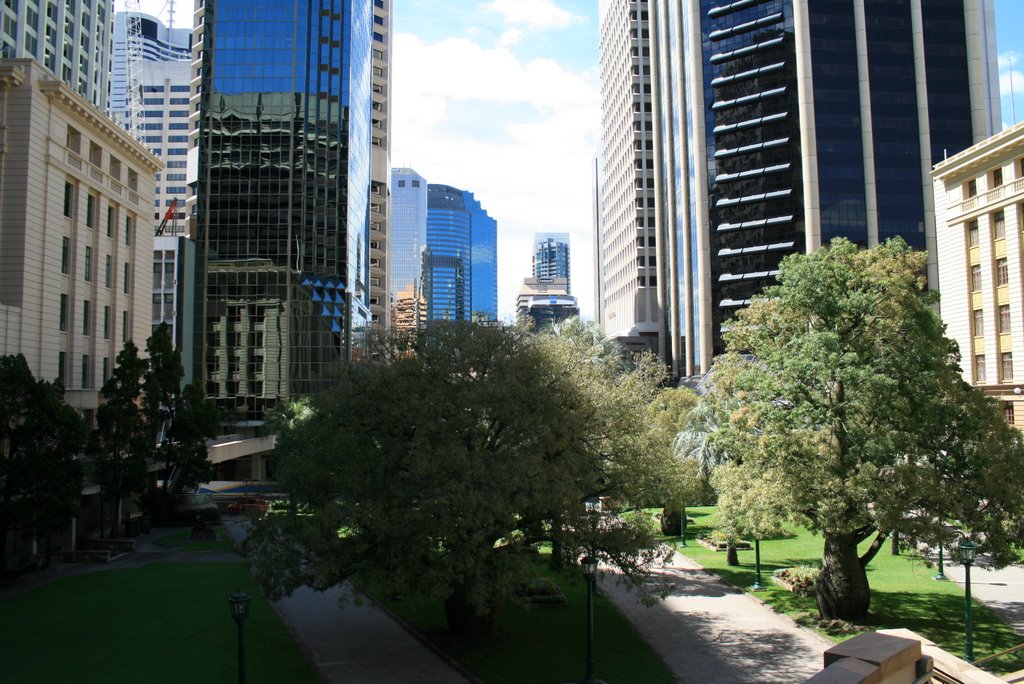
502 98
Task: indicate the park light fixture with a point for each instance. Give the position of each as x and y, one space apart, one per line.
239 603
589 565
968 552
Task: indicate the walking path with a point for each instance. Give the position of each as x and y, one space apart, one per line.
709 632
1000 590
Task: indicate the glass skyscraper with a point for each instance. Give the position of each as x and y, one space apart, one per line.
282 209
484 241
408 238
447 257
782 124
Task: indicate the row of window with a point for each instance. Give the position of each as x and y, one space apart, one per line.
1005 368
995 180
998 223
65 266
92 212
978 322
87 318
1002 275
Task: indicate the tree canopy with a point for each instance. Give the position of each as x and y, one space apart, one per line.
40 478
433 471
853 412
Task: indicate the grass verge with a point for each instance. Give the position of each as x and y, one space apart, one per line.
545 644
165 622
903 593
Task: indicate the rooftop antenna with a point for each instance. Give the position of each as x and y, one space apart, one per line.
1013 105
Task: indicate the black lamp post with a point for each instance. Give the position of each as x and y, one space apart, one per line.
239 602
757 586
589 566
968 552
940 575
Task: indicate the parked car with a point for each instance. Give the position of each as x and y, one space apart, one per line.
247 504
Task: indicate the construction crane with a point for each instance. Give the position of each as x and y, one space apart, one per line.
133 68
167 217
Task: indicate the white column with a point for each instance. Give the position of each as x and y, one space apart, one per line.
866 129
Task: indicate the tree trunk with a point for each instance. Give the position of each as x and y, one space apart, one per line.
895 548
115 516
842 589
465 619
732 558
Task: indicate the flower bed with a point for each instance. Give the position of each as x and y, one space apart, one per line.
719 545
799 579
540 591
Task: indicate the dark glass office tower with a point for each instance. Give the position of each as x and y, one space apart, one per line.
783 124
447 257
282 195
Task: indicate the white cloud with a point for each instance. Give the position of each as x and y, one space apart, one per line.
510 37
541 14
529 162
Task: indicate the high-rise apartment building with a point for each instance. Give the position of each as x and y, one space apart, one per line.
283 110
379 294
780 125
447 255
627 238
407 239
70 39
484 255
166 77
979 195
544 301
551 257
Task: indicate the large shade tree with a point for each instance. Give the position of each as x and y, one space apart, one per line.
433 471
854 409
40 438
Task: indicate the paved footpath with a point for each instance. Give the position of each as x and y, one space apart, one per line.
1000 590
709 632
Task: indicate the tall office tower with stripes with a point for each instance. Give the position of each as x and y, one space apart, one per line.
628 305
378 290
783 124
70 39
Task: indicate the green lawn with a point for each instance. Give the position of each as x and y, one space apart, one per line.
166 622
180 538
903 593
547 644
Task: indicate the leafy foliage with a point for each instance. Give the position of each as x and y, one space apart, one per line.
432 471
853 414
40 479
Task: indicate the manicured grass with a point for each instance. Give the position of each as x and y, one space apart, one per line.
180 538
165 622
546 644
903 593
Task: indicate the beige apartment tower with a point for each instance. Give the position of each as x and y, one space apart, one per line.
75 260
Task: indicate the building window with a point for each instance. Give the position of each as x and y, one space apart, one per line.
86 380
128 230
1006 366
86 312
65 255
63 322
124 326
88 264
106 369
62 364
976 278
1002 273
973 236
108 271
997 178
972 188
92 204
998 226
74 140
127 278
979 369
979 322
110 221
69 199
1004 318
106 322
1008 412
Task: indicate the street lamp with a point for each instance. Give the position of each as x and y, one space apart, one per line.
757 586
239 602
940 575
968 551
589 566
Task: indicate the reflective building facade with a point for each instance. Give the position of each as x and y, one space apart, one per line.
780 125
282 198
551 257
484 250
408 238
447 256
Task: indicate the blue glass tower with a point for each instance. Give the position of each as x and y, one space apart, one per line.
447 258
408 238
282 196
484 240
